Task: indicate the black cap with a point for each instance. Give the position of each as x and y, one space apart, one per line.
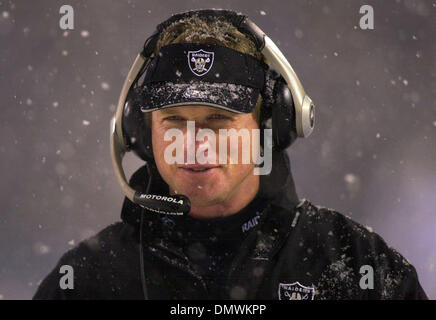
202 74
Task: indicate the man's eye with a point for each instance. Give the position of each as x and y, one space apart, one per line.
218 116
174 118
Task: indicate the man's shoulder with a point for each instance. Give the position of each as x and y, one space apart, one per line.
107 242
321 215
333 226
327 219
341 247
94 262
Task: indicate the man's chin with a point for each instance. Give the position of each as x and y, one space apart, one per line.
202 196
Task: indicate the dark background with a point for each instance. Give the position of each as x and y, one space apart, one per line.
371 156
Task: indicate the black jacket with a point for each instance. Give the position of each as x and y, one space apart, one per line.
278 247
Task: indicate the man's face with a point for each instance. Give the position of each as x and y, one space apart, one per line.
205 184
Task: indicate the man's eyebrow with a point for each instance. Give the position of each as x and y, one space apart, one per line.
169 111
224 112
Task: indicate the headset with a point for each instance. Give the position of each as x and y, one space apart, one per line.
286 103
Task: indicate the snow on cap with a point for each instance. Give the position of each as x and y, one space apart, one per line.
202 74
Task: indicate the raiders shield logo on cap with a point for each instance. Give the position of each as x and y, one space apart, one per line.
295 291
200 61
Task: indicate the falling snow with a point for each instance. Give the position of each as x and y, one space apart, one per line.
84 33
47 141
105 86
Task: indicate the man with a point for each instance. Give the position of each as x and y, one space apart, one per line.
246 235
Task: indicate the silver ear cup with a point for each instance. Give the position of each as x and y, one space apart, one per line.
118 150
304 109
306 120
131 76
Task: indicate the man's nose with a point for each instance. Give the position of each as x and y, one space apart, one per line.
205 145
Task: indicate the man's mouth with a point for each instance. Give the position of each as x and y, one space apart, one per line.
198 168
